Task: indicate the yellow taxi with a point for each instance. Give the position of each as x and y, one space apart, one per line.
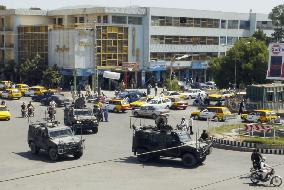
4 113
11 93
172 94
118 105
221 95
215 113
142 101
36 90
178 103
261 116
22 87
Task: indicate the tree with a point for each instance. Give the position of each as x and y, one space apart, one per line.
250 56
31 70
51 77
260 35
172 84
277 17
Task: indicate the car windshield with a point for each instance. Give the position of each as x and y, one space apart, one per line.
60 133
83 112
183 137
3 109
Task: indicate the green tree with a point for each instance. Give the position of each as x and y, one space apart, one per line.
9 71
277 17
172 84
260 35
31 70
51 77
249 56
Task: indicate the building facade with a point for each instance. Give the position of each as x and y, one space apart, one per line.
142 43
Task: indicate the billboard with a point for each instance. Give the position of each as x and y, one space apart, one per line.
275 69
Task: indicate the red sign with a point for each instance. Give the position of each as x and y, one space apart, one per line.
276 49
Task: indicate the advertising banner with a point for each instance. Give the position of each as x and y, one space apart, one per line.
111 75
275 69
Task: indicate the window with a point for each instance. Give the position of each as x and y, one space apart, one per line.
231 40
99 19
169 21
233 24
269 96
223 40
244 25
81 19
75 20
105 19
223 24
197 22
135 20
264 25
155 21
54 20
182 21
119 19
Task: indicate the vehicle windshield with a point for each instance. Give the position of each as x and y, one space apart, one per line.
3 109
183 137
60 133
83 112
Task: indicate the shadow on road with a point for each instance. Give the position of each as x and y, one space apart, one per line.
174 163
42 156
258 185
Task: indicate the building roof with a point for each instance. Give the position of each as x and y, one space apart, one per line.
268 85
30 12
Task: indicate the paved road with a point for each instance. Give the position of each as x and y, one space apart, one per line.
113 141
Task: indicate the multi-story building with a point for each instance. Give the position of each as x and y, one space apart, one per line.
11 19
143 43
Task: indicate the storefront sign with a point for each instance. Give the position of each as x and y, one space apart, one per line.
275 69
111 75
157 66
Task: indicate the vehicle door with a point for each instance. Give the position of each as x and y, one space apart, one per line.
111 105
207 113
143 110
171 140
150 111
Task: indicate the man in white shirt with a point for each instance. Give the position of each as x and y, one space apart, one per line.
190 123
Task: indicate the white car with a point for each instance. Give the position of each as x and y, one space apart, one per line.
211 84
150 111
165 103
193 93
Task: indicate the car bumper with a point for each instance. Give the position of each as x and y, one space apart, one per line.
69 150
84 126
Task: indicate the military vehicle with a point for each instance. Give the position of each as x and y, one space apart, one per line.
55 139
80 118
163 140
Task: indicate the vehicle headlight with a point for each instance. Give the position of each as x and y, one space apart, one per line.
78 121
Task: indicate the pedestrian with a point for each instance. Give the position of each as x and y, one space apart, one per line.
241 107
105 111
190 124
204 136
149 89
183 124
156 89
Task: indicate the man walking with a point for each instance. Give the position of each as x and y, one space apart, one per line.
156 89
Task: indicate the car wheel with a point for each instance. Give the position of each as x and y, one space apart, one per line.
189 160
53 155
78 154
115 110
95 130
34 148
195 117
154 116
136 114
143 157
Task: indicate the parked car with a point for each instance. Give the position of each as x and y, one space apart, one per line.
22 87
118 105
213 113
11 93
150 111
178 103
132 96
59 100
193 93
261 116
142 101
4 113
35 90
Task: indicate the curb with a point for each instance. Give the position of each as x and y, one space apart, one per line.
246 146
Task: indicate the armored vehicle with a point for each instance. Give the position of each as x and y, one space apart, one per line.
55 139
162 140
80 119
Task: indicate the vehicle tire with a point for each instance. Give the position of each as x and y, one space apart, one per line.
202 160
189 160
254 178
154 116
144 157
276 181
136 114
78 154
95 130
34 148
195 117
115 110
53 154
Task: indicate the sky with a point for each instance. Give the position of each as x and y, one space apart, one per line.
243 6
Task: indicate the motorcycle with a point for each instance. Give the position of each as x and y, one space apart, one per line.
31 112
24 113
256 177
99 114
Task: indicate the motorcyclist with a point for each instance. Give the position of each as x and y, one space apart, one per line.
52 104
256 159
30 108
23 106
264 169
98 112
204 136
